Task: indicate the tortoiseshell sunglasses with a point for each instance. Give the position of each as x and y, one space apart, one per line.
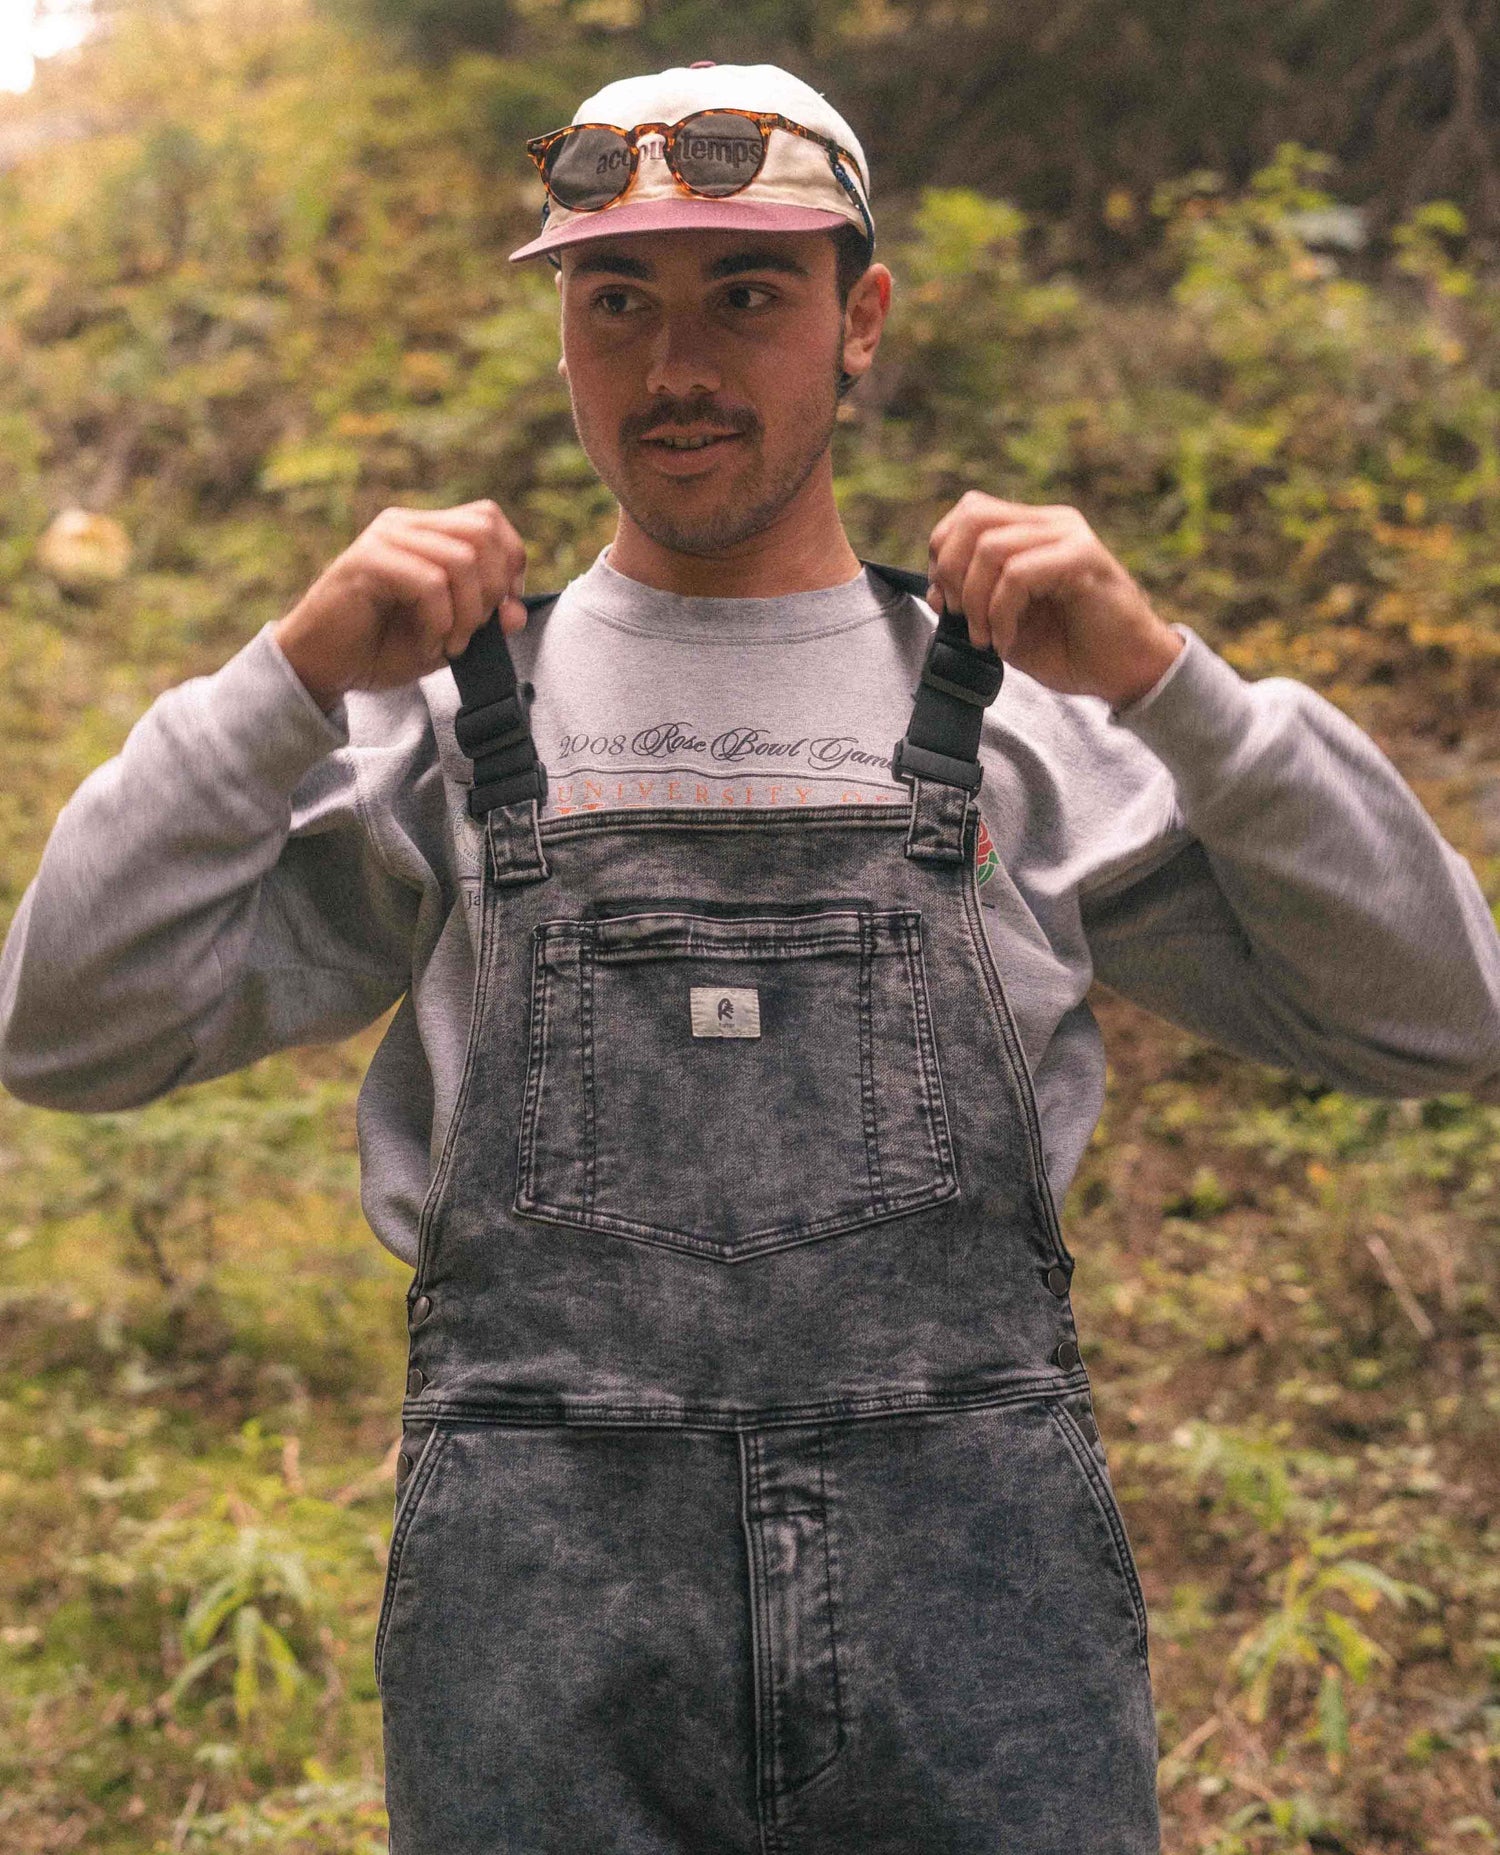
711 154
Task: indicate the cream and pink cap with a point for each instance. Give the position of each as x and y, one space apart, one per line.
796 189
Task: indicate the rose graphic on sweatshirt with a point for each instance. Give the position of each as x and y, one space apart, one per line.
986 857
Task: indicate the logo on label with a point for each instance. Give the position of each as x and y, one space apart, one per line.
986 857
724 1011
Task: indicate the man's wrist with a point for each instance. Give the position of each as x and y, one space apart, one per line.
323 689
1158 653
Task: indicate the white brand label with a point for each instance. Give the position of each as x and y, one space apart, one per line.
725 1011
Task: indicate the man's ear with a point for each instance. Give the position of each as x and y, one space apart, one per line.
864 318
562 365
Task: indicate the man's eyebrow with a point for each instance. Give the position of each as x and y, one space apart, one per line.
610 263
756 260
732 264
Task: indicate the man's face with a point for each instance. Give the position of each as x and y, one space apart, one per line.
703 369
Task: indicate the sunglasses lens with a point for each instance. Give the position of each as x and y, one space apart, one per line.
717 154
588 169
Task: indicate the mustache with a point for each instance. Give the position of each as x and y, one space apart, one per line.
687 413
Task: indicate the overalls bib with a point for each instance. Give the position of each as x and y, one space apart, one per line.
750 1498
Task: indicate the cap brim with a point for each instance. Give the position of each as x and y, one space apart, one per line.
682 215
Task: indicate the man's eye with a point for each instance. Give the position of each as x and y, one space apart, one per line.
613 302
748 295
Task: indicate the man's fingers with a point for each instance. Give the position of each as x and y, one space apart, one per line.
481 535
967 565
993 550
423 589
1034 571
501 553
975 510
459 559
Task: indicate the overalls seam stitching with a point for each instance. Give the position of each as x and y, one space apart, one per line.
833 1615
586 1058
758 1243
769 1762
1020 1072
934 1096
878 1198
535 1057
1079 1449
916 1404
421 1475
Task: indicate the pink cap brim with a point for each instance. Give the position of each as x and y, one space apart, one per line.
683 215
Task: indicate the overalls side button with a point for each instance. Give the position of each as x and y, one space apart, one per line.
420 1309
416 1378
1057 1281
1066 1355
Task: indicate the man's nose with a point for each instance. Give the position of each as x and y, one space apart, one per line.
682 361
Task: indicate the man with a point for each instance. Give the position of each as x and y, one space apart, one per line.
751 1497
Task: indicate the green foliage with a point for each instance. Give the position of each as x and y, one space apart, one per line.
268 296
170 1170
243 1589
322 1816
1079 112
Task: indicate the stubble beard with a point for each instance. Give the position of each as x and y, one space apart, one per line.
732 522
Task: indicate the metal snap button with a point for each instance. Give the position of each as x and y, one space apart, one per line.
1057 1280
420 1309
404 1467
1089 1428
416 1378
1066 1355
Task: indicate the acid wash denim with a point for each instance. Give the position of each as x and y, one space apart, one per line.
752 1501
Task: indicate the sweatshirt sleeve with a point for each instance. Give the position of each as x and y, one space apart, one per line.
205 897
1313 916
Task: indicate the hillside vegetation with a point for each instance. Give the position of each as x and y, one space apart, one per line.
264 296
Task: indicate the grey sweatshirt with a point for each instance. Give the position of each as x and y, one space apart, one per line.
249 873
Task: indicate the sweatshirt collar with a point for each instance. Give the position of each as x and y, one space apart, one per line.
615 599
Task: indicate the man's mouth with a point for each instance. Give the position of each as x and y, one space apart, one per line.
683 441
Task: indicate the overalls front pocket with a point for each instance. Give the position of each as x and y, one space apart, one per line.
1073 1418
410 1497
727 1085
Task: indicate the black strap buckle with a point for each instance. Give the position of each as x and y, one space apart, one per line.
909 762
493 725
959 669
529 783
958 682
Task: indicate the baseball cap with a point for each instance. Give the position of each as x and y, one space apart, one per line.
801 185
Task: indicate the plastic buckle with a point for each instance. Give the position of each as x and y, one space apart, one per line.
972 675
912 762
529 783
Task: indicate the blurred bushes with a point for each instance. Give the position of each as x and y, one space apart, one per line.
268 296
278 299
1079 112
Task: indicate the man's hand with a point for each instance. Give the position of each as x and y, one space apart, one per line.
405 596
1040 585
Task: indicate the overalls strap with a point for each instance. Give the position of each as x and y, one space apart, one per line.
939 753
493 728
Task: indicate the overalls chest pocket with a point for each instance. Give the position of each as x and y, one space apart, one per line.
728 1086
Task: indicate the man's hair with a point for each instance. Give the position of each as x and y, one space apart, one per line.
851 257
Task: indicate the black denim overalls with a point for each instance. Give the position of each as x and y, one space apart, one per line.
750 1499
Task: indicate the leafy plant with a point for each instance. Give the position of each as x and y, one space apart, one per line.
1311 1638
1308 1630
227 1620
